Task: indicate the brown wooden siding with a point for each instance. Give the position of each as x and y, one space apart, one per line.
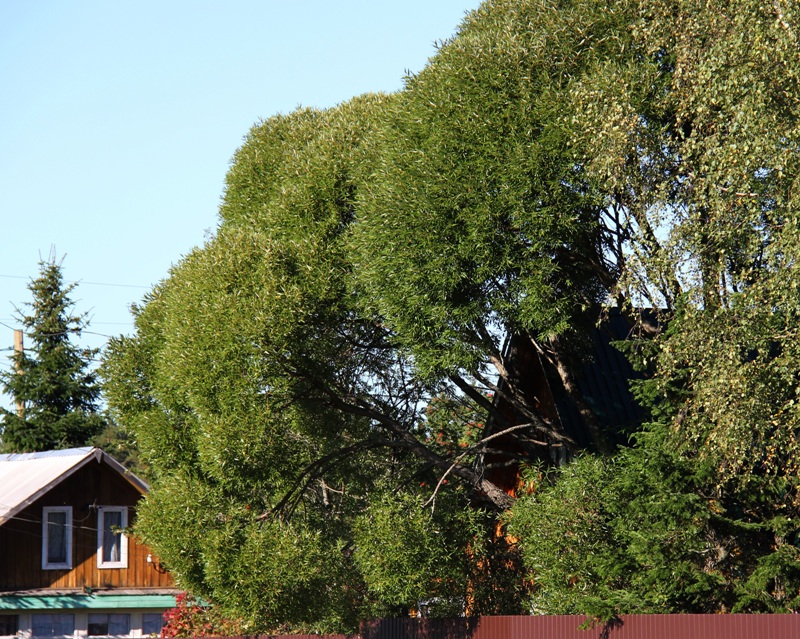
21 538
531 380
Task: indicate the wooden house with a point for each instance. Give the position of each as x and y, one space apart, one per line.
602 376
67 567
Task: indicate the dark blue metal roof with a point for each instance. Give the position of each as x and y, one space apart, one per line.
603 376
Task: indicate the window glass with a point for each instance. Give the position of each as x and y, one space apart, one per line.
112 523
9 624
56 537
152 623
103 624
112 545
52 625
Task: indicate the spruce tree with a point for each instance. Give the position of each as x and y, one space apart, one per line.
52 378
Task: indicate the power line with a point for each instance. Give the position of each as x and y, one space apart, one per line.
98 334
75 332
109 284
25 277
91 322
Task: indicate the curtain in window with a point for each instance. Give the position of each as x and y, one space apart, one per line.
57 537
43 625
152 623
105 625
112 521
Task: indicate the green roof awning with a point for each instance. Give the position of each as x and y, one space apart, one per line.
80 602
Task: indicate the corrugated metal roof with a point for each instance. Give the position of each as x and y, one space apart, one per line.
24 477
687 626
603 379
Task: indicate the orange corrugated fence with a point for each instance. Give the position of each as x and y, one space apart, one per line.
577 627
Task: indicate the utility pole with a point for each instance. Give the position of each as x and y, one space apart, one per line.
18 351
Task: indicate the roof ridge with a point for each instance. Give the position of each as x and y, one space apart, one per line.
45 454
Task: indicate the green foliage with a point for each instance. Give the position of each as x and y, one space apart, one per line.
55 384
122 446
423 550
738 366
481 220
647 532
271 409
302 383
700 153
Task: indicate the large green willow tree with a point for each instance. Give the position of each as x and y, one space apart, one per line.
279 418
311 386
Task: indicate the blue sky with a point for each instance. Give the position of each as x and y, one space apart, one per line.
119 118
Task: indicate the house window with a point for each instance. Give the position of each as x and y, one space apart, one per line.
109 625
53 625
112 544
9 624
56 537
152 623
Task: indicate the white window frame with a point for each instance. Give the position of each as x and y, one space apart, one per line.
47 565
123 540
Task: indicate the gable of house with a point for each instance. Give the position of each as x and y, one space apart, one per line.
602 375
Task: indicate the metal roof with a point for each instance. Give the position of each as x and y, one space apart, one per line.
24 477
603 378
685 626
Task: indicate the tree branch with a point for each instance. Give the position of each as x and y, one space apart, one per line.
479 446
